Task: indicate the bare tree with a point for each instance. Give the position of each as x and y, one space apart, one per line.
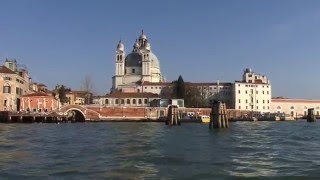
87 86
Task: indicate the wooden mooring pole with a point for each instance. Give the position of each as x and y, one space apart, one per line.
218 115
311 117
173 117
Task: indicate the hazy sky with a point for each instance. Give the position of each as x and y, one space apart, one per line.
60 41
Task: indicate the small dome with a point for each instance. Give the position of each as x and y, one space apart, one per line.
142 36
136 45
147 46
120 46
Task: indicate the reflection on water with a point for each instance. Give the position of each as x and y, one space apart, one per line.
156 151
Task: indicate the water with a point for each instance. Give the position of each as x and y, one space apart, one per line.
155 151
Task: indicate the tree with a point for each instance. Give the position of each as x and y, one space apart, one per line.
60 92
179 88
87 86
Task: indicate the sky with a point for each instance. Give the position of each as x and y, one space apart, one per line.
62 41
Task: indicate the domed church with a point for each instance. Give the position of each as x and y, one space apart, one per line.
139 66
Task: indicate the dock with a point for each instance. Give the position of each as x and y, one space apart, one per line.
31 117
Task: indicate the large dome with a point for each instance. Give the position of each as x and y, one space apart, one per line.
134 59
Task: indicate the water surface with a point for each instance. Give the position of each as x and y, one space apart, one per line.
156 151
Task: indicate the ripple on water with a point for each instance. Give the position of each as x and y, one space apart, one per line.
156 151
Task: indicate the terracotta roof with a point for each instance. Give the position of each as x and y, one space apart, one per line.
6 70
286 100
131 95
35 94
207 84
40 84
77 92
252 83
147 83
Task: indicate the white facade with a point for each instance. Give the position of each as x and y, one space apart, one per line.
294 107
138 66
252 93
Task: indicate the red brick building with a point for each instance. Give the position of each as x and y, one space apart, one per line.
38 102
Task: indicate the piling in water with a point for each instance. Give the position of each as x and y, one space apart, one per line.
311 117
173 117
218 115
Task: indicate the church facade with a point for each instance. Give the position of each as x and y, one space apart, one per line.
139 66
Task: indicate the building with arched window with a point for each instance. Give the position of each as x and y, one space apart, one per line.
294 107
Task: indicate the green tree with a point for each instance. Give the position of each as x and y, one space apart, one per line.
179 89
60 92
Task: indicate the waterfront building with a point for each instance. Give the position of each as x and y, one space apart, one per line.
141 65
79 97
252 93
129 99
15 81
38 102
294 107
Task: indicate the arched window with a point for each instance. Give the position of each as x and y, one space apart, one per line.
117 101
122 101
134 101
128 101
145 101
292 107
278 107
107 101
140 101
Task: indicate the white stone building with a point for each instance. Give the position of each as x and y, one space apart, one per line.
294 107
252 93
139 66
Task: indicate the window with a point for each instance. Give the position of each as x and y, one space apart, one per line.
246 100
263 107
238 85
6 89
246 107
145 87
5 103
128 101
257 107
145 101
138 90
291 107
239 91
278 107
257 101
263 101
246 92
262 92
256 92
268 101
267 92
117 101
239 107
140 101
107 101
133 70
7 78
134 101
151 87
239 100
159 87
122 101
17 90
125 71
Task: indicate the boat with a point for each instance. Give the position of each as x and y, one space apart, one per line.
204 118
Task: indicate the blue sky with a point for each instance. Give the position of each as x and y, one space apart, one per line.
60 41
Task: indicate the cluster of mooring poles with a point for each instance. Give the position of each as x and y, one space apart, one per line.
218 116
311 117
173 116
